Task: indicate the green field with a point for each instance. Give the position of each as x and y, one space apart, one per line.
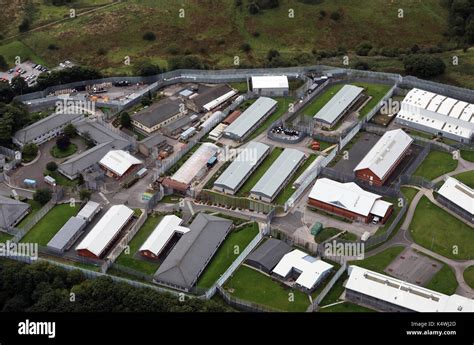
5 237
326 234
346 307
380 261
319 101
288 190
409 193
253 286
466 177
444 281
61 180
259 172
50 224
469 276
282 108
336 291
226 254
437 163
467 155
439 231
35 207
70 150
376 92
129 259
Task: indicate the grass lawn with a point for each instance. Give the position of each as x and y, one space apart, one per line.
469 276
61 179
467 155
35 207
240 86
5 237
129 260
258 173
320 100
288 190
409 193
376 91
326 234
171 199
225 254
380 261
323 145
336 291
444 281
439 231
253 286
466 177
58 153
437 163
346 307
282 108
50 224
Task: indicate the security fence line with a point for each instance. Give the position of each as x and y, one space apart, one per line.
36 218
328 287
241 304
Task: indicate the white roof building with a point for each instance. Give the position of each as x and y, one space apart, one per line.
311 270
350 197
458 193
437 114
270 82
106 229
119 161
386 153
192 167
162 234
89 210
404 294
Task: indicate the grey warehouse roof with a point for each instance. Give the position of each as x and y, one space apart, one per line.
333 109
276 175
66 233
208 94
251 117
192 253
269 254
157 113
43 126
154 140
238 170
86 159
10 211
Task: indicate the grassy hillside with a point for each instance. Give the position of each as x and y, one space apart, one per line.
216 30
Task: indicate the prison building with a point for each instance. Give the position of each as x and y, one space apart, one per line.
384 157
230 181
268 255
190 256
385 293
155 142
67 235
209 98
458 197
155 245
271 85
278 175
89 211
216 133
348 200
250 119
12 212
438 115
339 105
102 236
118 163
158 115
308 271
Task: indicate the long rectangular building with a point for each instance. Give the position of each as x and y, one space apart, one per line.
241 168
460 196
102 236
339 105
381 161
389 294
250 118
437 114
67 235
275 178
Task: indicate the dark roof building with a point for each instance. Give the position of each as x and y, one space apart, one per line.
157 115
188 259
210 97
268 255
11 212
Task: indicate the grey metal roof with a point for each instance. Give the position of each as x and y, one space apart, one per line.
99 133
184 121
208 94
66 233
43 126
250 117
237 172
333 109
10 211
268 254
86 159
276 175
153 140
192 253
157 113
